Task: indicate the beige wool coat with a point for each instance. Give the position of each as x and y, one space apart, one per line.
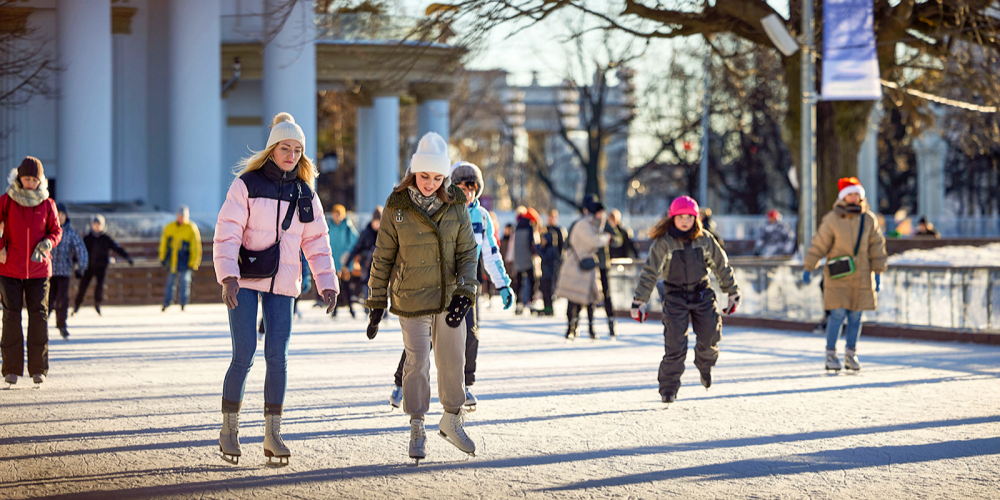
575 284
836 237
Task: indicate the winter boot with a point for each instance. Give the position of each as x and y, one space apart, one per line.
274 447
470 400
229 441
611 327
706 377
418 440
452 429
38 378
396 398
64 332
571 330
851 360
593 334
10 379
832 361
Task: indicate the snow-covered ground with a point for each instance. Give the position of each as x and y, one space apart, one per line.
131 409
965 256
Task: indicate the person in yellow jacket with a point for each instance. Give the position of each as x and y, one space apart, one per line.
180 253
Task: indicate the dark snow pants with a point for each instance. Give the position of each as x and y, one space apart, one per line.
698 307
33 293
98 274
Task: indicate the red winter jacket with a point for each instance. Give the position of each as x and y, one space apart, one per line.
23 228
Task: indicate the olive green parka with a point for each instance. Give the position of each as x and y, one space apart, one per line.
421 260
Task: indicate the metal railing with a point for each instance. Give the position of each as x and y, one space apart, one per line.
962 298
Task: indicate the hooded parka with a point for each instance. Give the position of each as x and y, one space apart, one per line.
28 218
836 237
585 239
421 260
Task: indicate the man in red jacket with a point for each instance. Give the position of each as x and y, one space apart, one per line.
31 231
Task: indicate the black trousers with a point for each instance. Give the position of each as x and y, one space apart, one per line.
699 308
547 289
91 272
59 298
471 350
33 293
608 308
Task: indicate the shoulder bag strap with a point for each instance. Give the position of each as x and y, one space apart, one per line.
861 231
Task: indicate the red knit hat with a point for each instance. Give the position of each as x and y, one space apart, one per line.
848 185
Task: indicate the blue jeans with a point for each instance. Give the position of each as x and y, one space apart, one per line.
277 311
184 284
851 333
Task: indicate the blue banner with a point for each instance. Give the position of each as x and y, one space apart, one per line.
850 58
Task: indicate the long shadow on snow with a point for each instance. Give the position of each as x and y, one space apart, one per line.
792 464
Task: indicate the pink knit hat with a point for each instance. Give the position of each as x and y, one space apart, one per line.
683 205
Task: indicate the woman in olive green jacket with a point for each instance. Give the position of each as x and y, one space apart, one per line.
849 230
425 258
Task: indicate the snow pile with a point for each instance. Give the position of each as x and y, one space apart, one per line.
953 256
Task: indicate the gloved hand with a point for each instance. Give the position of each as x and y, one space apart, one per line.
734 303
639 311
330 299
130 261
457 310
79 274
374 318
230 287
508 297
164 263
43 247
878 281
806 277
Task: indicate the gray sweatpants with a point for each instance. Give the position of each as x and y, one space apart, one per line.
449 356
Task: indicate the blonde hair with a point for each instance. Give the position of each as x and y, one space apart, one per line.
411 180
306 169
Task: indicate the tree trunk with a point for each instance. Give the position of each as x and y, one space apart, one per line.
840 129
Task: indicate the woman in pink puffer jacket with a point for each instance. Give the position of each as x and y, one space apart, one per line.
272 202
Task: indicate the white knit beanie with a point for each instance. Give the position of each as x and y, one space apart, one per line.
284 127
431 156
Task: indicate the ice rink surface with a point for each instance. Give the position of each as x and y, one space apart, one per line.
131 409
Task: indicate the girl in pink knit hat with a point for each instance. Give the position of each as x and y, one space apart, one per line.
682 253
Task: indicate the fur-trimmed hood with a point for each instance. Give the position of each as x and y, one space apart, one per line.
24 197
401 199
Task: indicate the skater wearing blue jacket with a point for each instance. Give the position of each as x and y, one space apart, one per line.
470 179
682 253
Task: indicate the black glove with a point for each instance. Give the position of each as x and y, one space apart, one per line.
79 274
374 318
130 261
457 310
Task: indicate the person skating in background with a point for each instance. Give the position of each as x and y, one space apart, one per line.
550 266
69 250
30 231
469 178
578 281
270 217
506 251
775 238
591 204
850 238
525 249
709 225
427 250
627 249
99 247
343 237
180 253
682 254
926 230
362 252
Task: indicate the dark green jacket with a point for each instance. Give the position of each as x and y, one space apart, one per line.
423 261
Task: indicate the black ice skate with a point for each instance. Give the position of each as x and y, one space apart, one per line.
669 397
706 378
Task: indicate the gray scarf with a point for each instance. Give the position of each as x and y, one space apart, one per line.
429 204
27 198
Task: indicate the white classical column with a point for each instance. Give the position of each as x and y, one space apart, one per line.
364 202
290 71
195 84
868 158
433 108
385 161
931 151
85 127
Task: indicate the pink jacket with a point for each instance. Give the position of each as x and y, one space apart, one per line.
248 218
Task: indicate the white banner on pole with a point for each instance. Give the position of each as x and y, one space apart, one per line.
850 59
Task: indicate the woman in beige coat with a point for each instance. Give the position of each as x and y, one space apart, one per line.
849 230
577 284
